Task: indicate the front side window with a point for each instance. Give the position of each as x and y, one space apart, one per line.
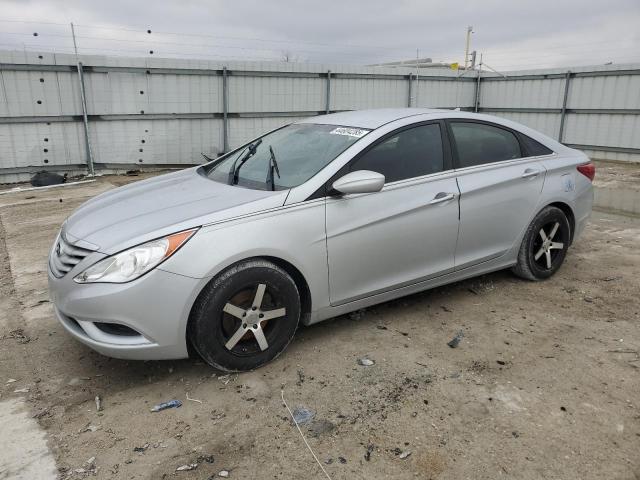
411 153
300 151
478 144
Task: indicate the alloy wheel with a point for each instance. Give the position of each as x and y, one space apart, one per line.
250 318
546 249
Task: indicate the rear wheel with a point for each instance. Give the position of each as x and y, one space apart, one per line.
544 245
245 317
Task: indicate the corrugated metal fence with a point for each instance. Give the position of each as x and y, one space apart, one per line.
150 112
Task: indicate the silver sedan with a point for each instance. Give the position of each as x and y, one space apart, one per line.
313 220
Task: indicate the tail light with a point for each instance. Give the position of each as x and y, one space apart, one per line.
588 170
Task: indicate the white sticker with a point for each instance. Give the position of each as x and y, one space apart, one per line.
350 132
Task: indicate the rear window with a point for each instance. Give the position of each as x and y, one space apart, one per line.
479 143
533 148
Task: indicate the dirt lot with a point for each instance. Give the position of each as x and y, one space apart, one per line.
544 384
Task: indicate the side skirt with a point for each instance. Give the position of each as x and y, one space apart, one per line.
480 269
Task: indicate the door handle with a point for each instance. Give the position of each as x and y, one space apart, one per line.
530 173
442 197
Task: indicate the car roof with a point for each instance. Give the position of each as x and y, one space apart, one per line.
369 118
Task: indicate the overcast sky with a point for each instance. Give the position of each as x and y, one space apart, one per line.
512 34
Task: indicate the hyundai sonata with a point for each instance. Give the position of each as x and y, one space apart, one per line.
313 220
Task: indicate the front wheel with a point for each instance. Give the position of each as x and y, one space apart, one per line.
544 245
245 317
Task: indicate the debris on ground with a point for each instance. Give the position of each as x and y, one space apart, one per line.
187 467
303 415
98 403
193 399
21 390
44 179
342 460
319 427
367 454
165 405
226 378
455 341
18 335
205 459
358 314
404 454
11 380
223 473
612 278
90 467
365 362
301 377
216 416
141 449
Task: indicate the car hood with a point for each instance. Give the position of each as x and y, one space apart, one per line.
158 206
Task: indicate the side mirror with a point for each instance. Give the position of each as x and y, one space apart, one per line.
360 181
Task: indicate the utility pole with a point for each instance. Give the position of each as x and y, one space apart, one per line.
466 49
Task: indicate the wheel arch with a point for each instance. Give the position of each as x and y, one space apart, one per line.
568 211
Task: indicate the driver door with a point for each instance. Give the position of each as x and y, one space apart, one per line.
404 233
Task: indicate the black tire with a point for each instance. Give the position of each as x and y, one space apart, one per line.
549 258
212 329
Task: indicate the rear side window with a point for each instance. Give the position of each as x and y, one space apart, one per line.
533 148
479 143
410 153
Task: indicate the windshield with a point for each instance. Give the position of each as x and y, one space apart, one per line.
302 150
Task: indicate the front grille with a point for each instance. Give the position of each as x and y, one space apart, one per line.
65 256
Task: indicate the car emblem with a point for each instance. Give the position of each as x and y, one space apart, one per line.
58 249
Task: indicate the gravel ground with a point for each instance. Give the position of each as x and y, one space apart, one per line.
544 383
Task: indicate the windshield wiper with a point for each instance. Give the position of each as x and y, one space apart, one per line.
235 171
273 164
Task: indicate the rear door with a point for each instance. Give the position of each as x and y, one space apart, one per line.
499 189
404 233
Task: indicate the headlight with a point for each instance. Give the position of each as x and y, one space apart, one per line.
135 262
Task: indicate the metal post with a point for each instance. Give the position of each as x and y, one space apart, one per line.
410 93
328 104
563 111
225 110
417 77
83 98
476 103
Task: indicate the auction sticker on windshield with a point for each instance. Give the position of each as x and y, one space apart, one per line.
350 132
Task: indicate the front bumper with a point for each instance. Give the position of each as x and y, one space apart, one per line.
145 319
